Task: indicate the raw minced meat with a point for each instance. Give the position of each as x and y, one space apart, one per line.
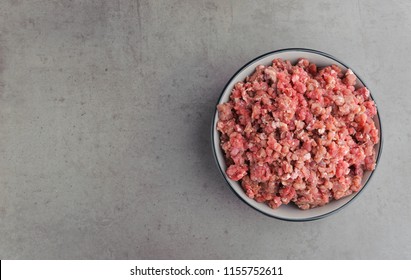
297 133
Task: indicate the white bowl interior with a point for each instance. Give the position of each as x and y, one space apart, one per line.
287 212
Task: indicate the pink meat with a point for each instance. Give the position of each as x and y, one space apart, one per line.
298 134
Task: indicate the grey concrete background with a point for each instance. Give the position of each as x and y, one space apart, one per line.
105 111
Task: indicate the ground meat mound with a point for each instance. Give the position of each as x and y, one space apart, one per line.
297 133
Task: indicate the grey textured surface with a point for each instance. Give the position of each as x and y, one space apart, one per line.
105 113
